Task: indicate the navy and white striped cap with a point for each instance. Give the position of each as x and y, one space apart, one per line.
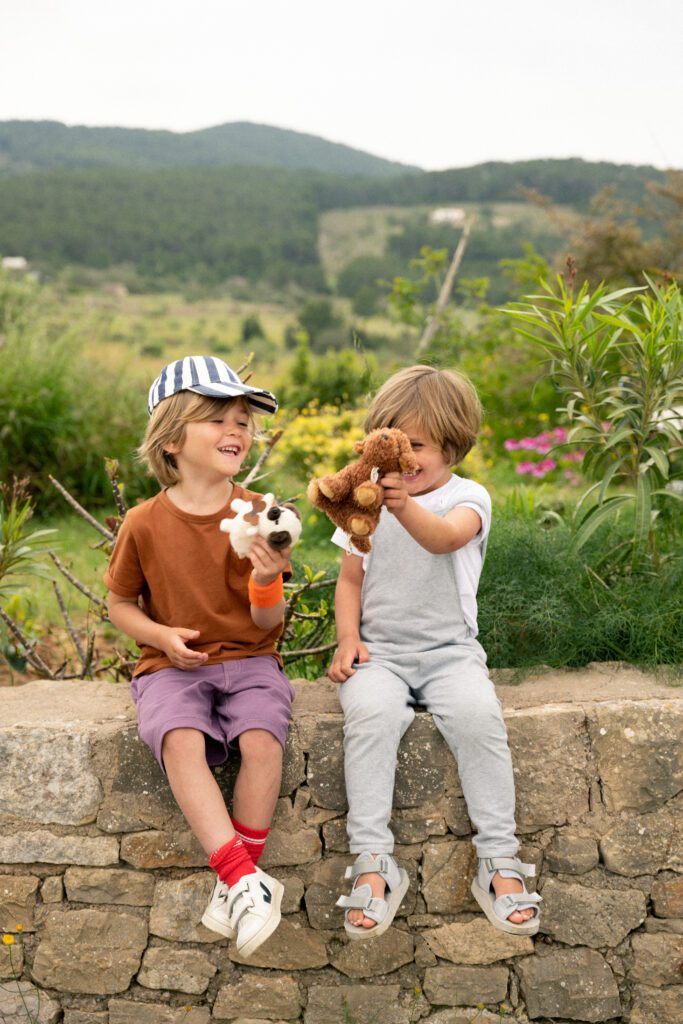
207 376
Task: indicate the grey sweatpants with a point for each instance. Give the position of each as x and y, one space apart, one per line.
421 653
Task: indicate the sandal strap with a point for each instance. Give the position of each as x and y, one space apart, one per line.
373 907
512 901
494 864
383 865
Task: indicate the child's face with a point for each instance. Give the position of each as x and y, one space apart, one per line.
214 448
434 470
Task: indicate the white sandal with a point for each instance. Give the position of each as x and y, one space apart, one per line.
381 910
498 909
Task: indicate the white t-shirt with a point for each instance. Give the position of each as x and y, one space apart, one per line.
469 559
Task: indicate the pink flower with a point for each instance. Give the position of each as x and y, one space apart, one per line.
538 471
574 456
511 445
525 467
543 447
528 443
560 434
547 464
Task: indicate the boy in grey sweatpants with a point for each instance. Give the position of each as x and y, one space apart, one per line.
406 634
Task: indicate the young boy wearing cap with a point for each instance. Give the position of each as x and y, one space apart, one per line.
207 622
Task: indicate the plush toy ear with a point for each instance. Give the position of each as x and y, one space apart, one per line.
295 510
258 505
358 447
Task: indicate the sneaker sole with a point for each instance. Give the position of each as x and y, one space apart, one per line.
268 926
214 925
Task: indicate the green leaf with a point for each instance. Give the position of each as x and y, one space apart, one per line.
596 516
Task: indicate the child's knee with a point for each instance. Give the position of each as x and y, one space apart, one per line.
259 745
183 743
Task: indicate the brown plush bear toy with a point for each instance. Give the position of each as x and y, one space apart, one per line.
352 498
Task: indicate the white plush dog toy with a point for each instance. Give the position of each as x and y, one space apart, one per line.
279 525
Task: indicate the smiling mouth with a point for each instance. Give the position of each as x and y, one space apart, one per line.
411 476
231 449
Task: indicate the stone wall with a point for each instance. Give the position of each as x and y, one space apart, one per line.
103 887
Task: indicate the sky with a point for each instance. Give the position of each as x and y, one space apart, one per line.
436 83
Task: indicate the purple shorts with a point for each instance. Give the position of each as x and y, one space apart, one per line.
221 700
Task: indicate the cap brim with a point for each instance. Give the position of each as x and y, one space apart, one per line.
261 401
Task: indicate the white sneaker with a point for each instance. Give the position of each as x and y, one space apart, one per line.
216 914
254 910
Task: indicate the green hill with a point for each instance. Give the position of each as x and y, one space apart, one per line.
45 145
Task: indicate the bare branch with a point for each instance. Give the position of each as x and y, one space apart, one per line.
69 624
76 582
432 324
265 454
81 511
28 647
288 655
112 469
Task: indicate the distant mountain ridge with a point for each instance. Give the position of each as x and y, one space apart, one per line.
48 145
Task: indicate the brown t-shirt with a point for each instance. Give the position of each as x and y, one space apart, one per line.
185 572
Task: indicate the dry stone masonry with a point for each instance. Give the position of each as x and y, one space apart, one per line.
102 885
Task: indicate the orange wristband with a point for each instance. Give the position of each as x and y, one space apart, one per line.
266 595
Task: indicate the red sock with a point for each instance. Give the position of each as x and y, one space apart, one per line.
253 838
232 861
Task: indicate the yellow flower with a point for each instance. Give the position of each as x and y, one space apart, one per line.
8 940
19 928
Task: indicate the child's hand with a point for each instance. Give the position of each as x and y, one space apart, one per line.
348 652
173 645
268 564
395 492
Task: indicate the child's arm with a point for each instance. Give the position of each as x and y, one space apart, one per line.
268 565
126 615
436 534
350 648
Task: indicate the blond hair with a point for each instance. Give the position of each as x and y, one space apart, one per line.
443 405
167 427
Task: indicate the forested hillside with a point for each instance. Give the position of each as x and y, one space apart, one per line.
167 224
39 145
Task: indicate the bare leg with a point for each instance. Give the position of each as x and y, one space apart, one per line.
196 791
258 783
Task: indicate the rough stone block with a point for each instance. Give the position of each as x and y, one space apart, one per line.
52 889
423 762
382 955
294 892
260 997
45 848
572 984
465 986
475 942
463 1015
181 970
289 849
11 961
578 916
637 746
656 1006
418 824
103 885
550 763
292 947
667 897
125 1011
645 844
293 763
47 776
325 771
22 1000
447 872
178 907
658 960
570 854
17 902
335 837
163 850
76 1016
136 791
90 951
362 1004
